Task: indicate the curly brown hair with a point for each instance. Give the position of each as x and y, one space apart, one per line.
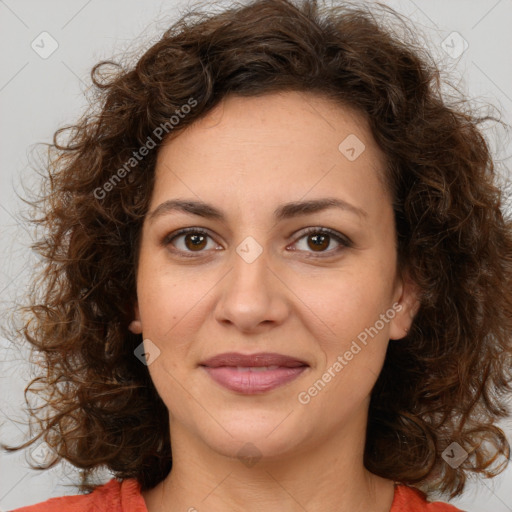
446 383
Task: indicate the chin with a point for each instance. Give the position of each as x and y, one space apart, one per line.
254 436
250 449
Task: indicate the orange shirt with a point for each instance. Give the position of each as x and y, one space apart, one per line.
125 496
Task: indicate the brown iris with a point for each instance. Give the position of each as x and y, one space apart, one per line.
316 245
198 241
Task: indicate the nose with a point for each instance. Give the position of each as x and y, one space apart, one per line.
253 296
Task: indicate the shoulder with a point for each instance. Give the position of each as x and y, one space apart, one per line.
114 496
409 499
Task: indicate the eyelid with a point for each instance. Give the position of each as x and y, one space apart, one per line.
167 240
341 239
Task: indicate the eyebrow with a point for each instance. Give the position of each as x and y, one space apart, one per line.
285 211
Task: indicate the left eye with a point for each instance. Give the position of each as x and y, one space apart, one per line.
320 238
317 239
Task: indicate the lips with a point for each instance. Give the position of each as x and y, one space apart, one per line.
253 373
253 360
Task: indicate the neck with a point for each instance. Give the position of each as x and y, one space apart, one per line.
329 476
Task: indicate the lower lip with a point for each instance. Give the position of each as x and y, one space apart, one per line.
252 382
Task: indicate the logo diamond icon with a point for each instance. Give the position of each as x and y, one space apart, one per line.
44 45
351 147
454 455
42 454
249 455
454 45
147 352
249 250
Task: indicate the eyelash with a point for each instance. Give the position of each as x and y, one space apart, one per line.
344 241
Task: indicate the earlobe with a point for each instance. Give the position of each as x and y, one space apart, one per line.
408 307
136 324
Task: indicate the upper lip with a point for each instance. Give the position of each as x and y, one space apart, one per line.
247 360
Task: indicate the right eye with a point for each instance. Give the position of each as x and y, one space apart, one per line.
191 240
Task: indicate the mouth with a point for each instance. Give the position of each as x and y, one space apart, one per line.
253 373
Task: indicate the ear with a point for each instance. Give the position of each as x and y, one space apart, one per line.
406 305
136 325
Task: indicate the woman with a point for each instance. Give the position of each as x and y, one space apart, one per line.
278 253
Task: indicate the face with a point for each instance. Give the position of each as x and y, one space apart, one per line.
258 273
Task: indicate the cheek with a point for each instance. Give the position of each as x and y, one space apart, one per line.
166 297
166 312
351 301
355 345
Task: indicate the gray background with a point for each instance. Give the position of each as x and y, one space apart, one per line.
38 95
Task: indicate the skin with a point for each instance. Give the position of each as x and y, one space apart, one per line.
247 157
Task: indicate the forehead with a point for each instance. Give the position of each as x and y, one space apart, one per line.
288 118
281 144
